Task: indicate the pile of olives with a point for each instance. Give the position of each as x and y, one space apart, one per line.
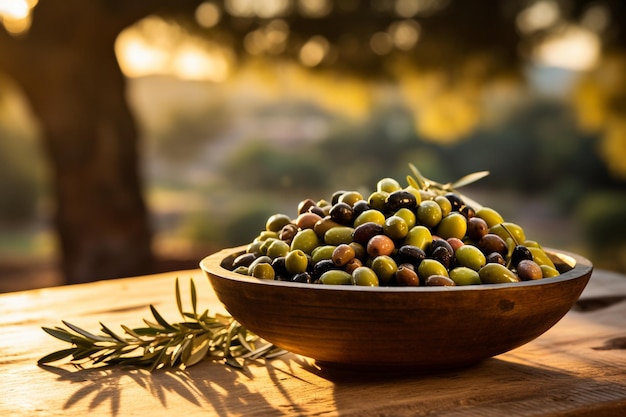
396 236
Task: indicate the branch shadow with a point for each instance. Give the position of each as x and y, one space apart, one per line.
208 385
291 385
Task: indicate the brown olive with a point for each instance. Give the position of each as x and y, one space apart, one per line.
492 243
455 243
495 258
307 220
528 270
476 228
380 245
342 254
406 276
439 281
288 232
305 205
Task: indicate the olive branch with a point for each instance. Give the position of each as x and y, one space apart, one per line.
161 344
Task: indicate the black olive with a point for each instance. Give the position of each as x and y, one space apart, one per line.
519 254
342 213
410 254
400 199
456 201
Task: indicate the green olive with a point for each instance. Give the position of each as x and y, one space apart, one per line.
254 247
388 185
470 256
490 216
429 213
463 275
452 225
395 227
444 203
243 270
548 271
377 200
419 236
365 276
407 215
508 229
338 235
277 248
276 222
367 216
540 257
430 267
415 192
359 250
497 274
296 261
322 252
263 270
350 197
266 234
306 240
266 244
336 277
385 267
261 259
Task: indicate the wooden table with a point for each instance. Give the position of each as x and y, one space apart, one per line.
578 368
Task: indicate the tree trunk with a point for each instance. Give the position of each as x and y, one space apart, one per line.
76 89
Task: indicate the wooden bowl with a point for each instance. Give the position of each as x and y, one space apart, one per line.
398 327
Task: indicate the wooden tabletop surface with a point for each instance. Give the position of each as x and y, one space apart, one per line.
577 368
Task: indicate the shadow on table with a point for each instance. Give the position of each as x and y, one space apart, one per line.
493 387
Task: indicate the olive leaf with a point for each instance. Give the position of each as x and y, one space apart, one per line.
163 344
420 182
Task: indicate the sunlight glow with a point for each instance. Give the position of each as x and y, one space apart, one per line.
270 38
154 46
255 8
381 43
314 51
315 8
405 34
208 14
15 15
540 15
574 48
411 8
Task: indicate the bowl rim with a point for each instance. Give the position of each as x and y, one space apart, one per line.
211 264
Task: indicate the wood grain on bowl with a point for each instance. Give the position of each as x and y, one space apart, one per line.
417 327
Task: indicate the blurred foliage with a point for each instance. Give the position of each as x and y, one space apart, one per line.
20 178
603 216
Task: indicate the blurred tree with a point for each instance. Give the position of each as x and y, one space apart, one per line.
66 65
67 69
